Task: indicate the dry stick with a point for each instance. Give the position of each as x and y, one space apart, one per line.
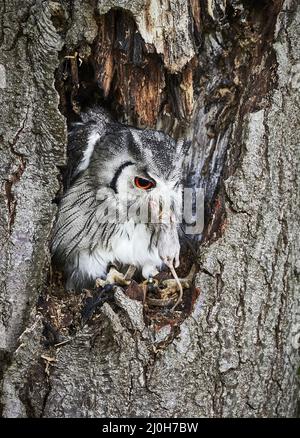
62 343
130 272
172 269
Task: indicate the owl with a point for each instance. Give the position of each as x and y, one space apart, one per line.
123 200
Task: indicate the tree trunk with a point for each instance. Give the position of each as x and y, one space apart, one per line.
225 75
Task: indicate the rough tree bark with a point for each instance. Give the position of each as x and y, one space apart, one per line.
224 74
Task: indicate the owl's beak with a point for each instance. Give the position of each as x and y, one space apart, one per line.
155 208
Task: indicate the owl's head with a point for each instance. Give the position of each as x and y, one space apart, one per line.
142 171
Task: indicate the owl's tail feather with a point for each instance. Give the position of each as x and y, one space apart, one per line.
170 265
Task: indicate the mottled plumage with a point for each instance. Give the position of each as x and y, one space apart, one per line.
97 222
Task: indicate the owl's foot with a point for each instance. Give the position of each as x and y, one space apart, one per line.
114 277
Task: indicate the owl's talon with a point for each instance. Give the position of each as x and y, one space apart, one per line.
116 277
100 282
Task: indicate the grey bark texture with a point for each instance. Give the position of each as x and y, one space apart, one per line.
237 353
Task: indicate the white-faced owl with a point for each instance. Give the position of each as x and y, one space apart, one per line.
122 203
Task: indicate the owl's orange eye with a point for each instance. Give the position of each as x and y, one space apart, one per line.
142 183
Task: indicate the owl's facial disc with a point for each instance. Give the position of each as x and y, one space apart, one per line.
148 197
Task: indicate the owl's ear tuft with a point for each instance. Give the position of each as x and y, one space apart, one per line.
136 137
